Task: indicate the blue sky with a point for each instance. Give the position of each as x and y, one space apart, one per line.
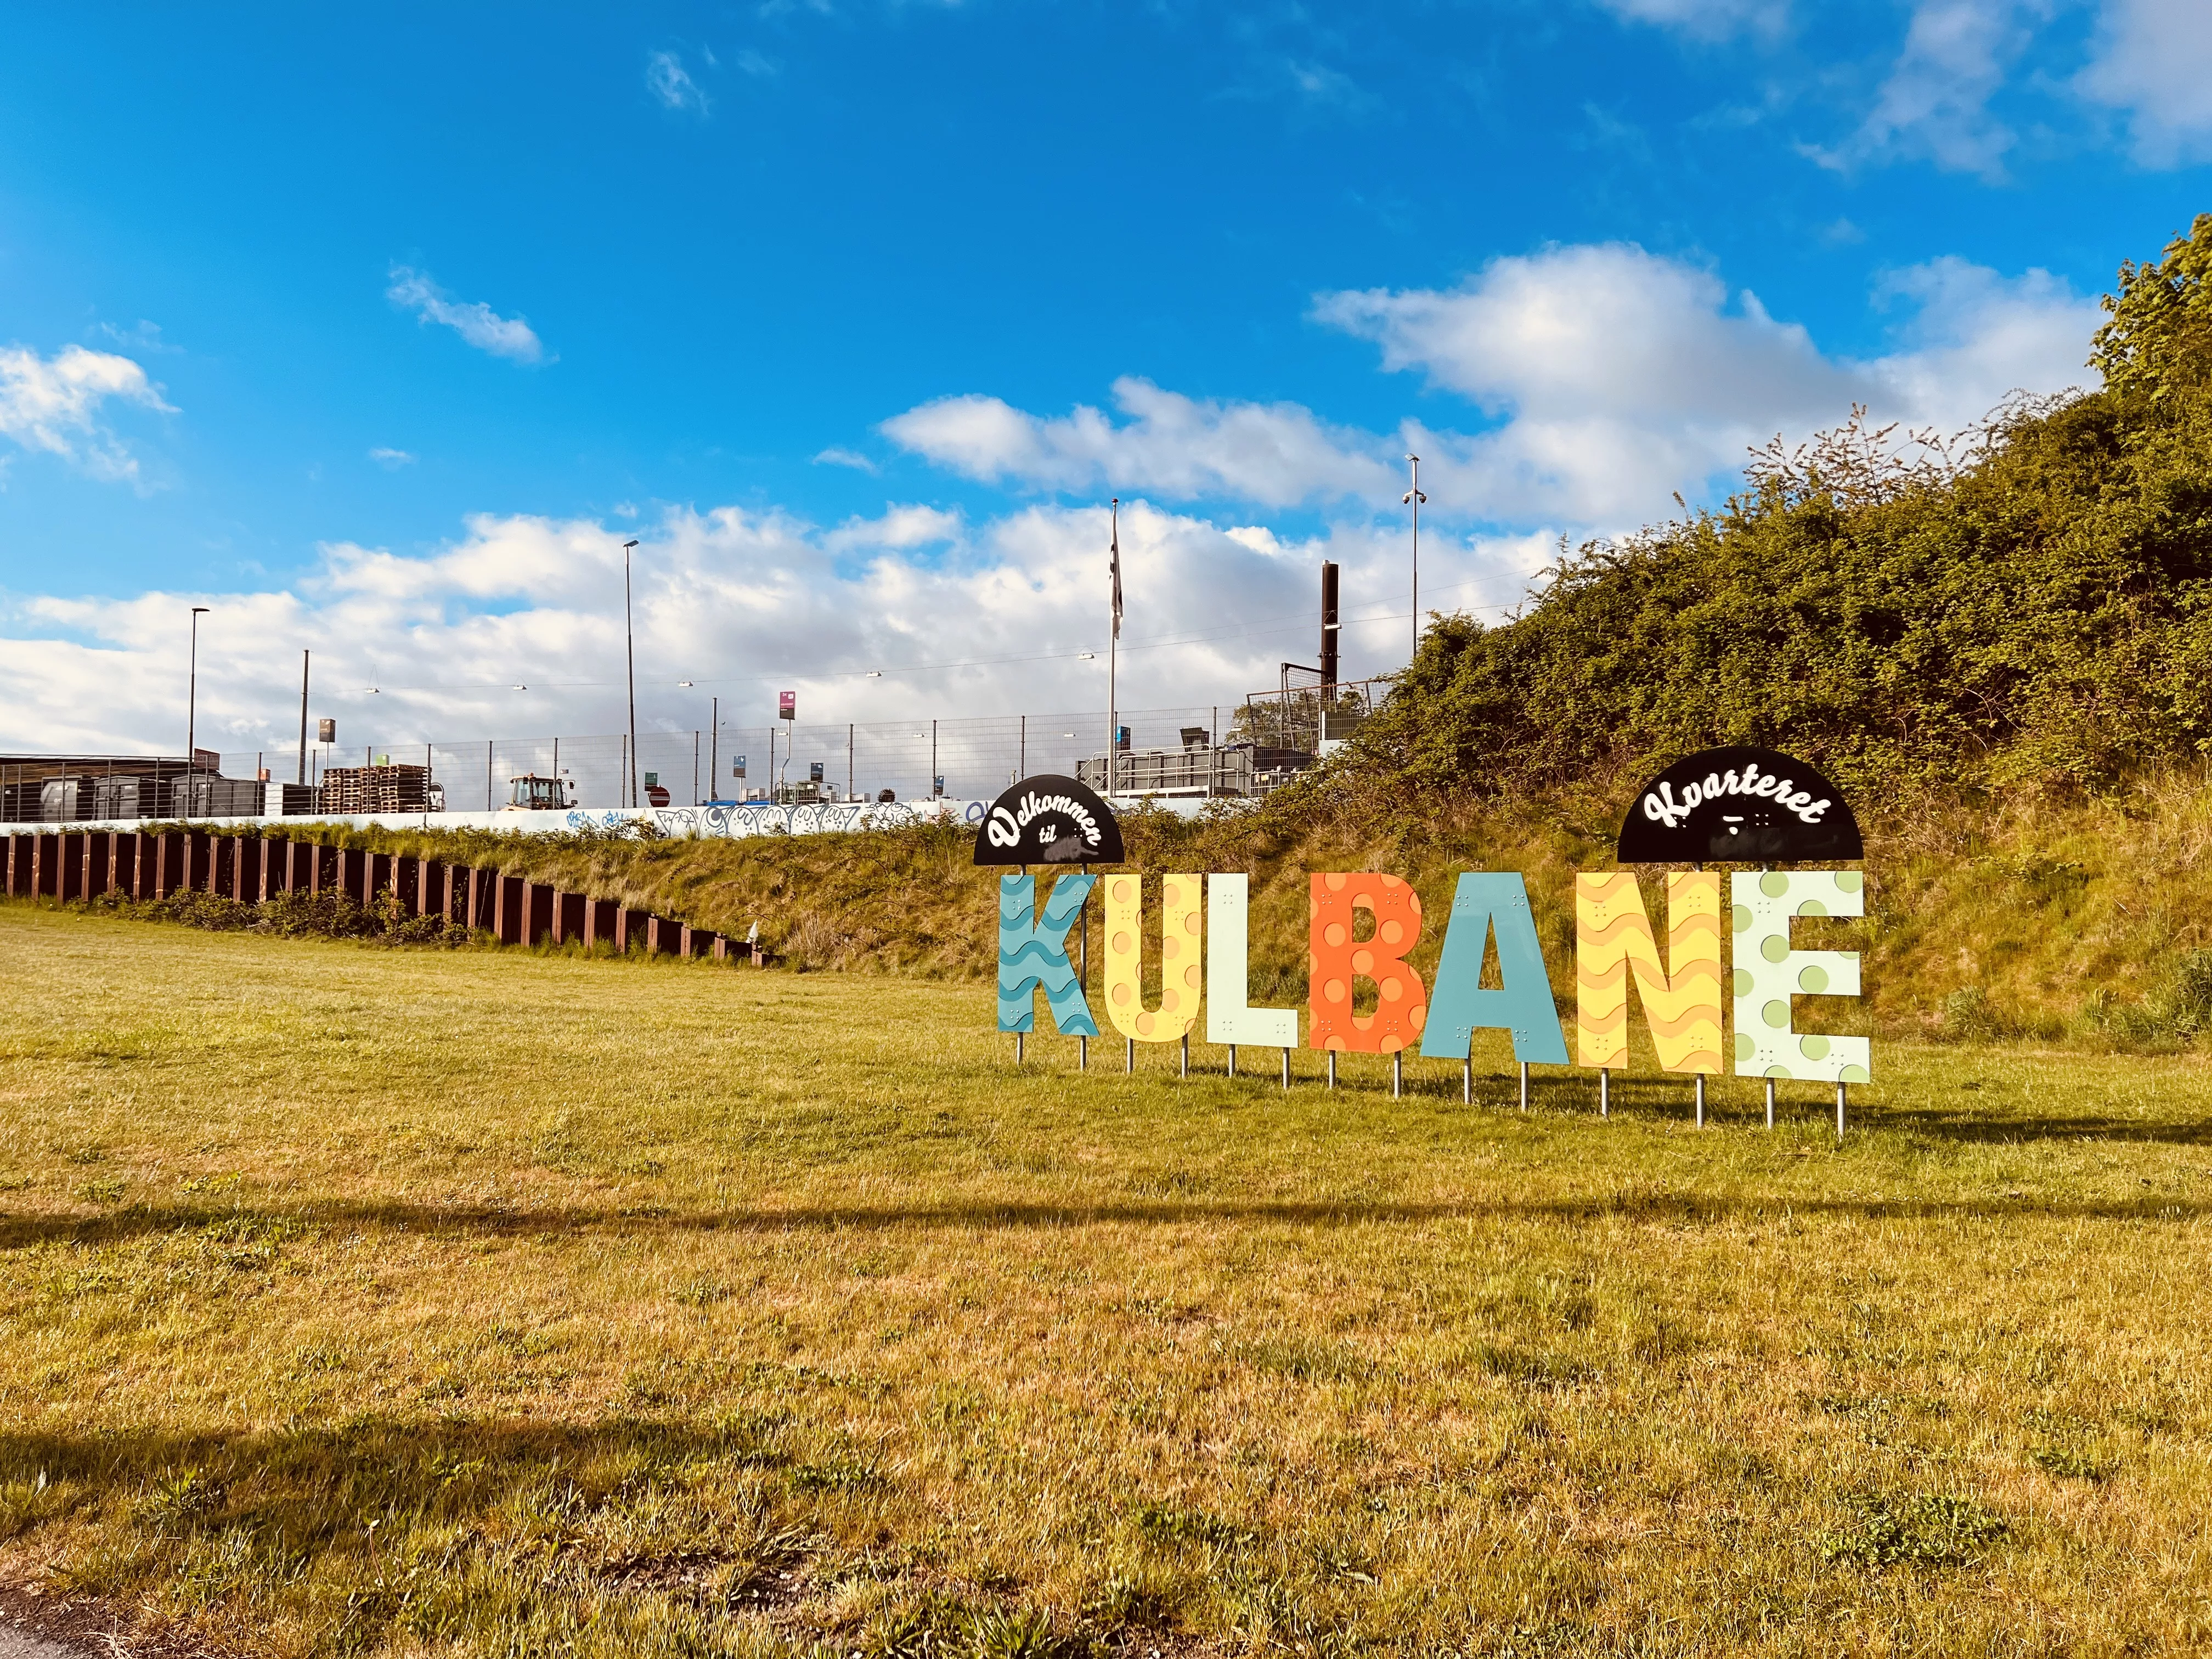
379 332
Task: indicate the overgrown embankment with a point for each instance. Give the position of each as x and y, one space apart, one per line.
2060 918
2002 644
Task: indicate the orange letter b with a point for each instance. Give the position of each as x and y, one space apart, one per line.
1338 959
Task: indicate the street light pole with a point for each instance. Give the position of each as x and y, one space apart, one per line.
630 657
192 709
304 657
1414 498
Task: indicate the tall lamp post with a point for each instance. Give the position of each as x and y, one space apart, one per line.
305 657
192 709
1414 498
630 657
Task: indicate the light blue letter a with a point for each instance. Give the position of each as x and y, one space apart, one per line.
1459 1007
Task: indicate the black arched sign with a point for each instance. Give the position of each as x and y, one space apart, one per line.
1739 806
1048 819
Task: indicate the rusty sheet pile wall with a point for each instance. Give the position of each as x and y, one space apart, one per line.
67 866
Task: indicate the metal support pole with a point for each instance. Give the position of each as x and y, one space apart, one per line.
1604 1100
1332 1068
849 729
1840 1089
1082 1054
932 765
1286 1071
1524 1086
1017 1047
1466 1081
1232 1059
1021 754
630 671
1770 1102
714 749
1186 1054
487 742
1131 1068
1397 1072
303 716
1701 1100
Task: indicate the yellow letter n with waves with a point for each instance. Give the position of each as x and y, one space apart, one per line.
1612 935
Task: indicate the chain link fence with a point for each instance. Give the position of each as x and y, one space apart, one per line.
966 759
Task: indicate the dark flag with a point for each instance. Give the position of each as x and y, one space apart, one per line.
1116 551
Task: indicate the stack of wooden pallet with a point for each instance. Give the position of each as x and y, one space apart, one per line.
354 789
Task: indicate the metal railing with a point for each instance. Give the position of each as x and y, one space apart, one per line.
974 758
1200 749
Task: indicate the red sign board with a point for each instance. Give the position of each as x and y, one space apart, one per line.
786 705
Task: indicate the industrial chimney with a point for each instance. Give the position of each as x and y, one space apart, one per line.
1328 629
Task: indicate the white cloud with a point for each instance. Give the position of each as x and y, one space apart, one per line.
1317 83
743 603
834 456
1612 378
473 320
1276 454
2153 58
55 405
900 527
1935 101
667 79
390 459
1973 339
145 336
1710 20
1622 377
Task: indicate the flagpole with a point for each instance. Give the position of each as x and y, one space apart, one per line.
1414 498
1113 646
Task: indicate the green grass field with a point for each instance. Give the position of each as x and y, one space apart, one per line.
410 1301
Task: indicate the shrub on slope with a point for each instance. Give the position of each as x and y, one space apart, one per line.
2032 603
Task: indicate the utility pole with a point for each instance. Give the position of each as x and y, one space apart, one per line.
303 716
630 657
1414 498
715 750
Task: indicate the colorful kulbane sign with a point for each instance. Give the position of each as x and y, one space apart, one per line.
1758 799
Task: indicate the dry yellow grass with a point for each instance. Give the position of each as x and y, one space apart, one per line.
371 1301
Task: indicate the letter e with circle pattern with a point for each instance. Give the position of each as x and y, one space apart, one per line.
1337 958
1179 957
1768 973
